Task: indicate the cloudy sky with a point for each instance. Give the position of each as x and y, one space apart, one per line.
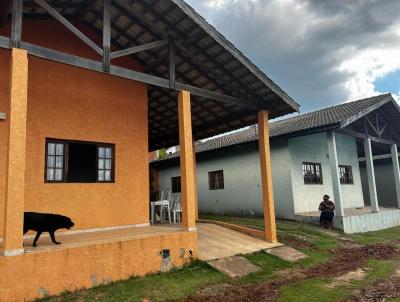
321 52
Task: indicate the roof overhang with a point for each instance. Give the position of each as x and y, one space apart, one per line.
178 50
380 123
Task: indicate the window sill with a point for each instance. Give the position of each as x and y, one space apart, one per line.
77 183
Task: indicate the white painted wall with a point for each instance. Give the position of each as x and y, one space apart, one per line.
242 173
314 148
311 148
242 178
352 195
385 183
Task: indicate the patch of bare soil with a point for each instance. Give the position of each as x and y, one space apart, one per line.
296 242
379 292
343 261
215 289
356 275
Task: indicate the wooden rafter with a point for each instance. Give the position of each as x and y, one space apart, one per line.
227 90
16 25
139 48
56 15
76 61
106 35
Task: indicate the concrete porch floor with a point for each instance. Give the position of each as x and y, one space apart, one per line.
98 237
358 220
214 242
351 212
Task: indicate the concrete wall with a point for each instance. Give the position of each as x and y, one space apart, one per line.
362 223
281 178
33 275
314 148
242 195
352 195
65 102
242 176
385 183
371 222
311 148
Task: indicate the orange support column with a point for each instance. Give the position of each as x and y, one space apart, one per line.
266 176
188 185
196 201
15 178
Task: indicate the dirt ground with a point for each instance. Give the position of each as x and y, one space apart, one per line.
379 291
344 260
298 242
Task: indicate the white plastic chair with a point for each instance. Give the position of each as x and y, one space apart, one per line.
164 204
176 208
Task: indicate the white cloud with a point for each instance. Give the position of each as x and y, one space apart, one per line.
366 67
320 52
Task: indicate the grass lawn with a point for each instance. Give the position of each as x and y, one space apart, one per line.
199 279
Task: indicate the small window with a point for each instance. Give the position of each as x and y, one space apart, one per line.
55 162
176 184
346 175
312 173
105 157
79 162
216 180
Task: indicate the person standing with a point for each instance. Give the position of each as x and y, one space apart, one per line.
327 208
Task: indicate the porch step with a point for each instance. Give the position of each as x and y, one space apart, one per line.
286 253
215 242
234 267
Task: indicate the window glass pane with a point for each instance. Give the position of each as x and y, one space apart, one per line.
79 156
59 175
50 174
101 163
108 153
55 162
102 152
59 161
59 149
312 173
105 166
346 175
108 164
51 161
216 180
51 149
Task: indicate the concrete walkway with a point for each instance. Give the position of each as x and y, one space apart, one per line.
287 253
215 242
234 267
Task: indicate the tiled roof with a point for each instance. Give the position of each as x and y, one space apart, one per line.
325 117
378 157
331 116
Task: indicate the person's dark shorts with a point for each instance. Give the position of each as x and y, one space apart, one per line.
327 216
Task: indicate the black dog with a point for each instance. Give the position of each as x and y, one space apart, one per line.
45 223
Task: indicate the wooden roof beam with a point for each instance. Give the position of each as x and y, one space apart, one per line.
56 15
76 61
139 48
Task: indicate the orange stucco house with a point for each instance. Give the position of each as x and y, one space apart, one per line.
87 89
